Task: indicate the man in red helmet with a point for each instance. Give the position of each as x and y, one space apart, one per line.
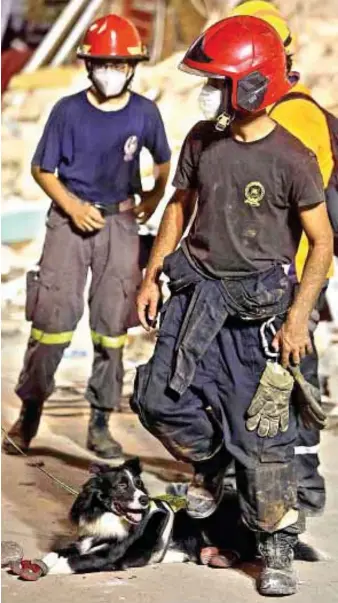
93 139
214 389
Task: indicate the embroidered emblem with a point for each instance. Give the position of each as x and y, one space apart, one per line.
130 148
254 193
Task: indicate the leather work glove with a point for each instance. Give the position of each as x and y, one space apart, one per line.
269 409
307 399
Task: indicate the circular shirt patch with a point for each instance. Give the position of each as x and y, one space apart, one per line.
254 193
130 148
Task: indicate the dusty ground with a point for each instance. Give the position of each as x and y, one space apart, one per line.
34 509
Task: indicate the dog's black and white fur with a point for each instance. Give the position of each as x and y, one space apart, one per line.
119 526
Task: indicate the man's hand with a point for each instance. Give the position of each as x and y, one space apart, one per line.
292 341
148 205
147 303
86 217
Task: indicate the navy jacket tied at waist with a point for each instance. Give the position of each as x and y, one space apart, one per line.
253 297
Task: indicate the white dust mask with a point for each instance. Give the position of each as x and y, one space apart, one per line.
209 100
109 82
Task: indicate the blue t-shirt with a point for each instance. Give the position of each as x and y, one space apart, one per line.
97 153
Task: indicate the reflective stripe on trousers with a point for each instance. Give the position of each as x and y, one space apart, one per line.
109 342
56 302
51 338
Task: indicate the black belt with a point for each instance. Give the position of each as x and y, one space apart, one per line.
115 208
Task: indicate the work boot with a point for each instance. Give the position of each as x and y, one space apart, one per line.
99 439
24 429
277 578
204 494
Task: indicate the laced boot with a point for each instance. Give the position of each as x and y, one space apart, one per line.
99 439
24 429
277 578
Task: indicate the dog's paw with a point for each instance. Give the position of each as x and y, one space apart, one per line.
50 560
61 567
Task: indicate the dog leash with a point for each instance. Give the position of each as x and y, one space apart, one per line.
68 489
176 502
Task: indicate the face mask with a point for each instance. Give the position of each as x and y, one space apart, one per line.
109 82
209 100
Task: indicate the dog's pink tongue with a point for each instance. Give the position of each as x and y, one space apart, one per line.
135 517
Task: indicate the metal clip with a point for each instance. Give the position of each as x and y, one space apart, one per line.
270 353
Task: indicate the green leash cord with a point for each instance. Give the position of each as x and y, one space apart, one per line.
176 502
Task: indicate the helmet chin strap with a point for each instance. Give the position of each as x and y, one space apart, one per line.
223 121
226 112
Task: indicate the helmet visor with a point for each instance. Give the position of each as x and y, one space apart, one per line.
183 67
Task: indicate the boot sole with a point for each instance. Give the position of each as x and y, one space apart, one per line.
106 455
286 592
8 448
196 515
274 588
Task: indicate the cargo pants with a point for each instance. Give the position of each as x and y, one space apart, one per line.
205 425
311 484
55 303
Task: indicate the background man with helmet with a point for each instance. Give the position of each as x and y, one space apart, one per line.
93 139
303 118
257 188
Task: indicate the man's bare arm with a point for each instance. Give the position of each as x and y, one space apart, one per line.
85 216
317 228
173 224
150 199
293 338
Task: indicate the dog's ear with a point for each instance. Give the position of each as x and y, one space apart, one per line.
83 503
97 468
134 465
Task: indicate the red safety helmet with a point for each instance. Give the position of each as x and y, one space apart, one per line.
249 52
112 37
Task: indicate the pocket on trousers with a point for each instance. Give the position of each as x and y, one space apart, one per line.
32 292
130 289
128 222
56 217
140 388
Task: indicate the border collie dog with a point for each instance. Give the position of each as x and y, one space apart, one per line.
119 526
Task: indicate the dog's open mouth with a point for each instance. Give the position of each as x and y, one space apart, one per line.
134 516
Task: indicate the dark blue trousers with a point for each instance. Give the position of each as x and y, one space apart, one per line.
206 424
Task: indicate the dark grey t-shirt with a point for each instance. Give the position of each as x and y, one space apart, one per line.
248 198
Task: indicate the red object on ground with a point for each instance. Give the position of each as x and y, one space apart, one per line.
29 570
214 557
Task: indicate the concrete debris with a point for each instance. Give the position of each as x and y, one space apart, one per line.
27 104
10 551
31 96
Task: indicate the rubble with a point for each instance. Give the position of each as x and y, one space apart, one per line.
27 104
10 552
